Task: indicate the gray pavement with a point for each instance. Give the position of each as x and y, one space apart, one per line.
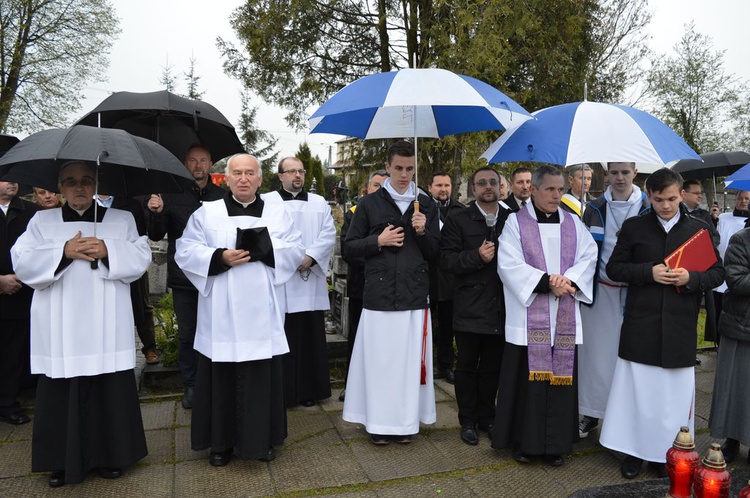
324 455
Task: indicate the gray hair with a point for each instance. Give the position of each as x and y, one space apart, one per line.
380 172
578 167
226 168
89 165
537 177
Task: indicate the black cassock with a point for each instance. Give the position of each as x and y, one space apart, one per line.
239 405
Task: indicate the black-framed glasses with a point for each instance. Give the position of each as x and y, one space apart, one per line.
295 171
85 181
484 183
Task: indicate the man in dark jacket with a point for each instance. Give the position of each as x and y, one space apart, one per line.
389 387
692 193
653 388
520 189
355 275
441 283
15 305
468 251
169 215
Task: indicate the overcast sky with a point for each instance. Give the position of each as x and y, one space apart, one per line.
157 31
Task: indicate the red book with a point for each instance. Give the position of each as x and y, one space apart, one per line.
697 254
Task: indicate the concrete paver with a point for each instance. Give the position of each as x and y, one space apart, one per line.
323 455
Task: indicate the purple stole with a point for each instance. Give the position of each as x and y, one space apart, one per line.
547 363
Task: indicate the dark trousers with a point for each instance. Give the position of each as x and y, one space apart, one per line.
145 326
477 373
442 333
186 312
14 360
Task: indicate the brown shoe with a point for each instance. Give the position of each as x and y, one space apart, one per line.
152 357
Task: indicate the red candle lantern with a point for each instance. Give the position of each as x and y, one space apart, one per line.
745 492
682 460
711 478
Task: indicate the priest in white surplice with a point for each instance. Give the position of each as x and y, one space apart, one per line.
389 388
87 412
546 260
306 376
238 407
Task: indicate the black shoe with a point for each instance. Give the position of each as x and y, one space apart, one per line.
521 457
587 425
469 435
308 403
554 460
401 439
630 467
57 479
730 448
449 376
109 472
342 396
187 398
486 428
660 469
16 418
220 458
697 361
270 455
379 440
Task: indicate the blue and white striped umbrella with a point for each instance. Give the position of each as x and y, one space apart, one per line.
591 132
416 103
739 180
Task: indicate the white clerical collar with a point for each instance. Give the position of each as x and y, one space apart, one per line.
4 207
246 204
80 212
668 224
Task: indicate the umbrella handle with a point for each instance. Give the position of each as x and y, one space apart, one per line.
416 207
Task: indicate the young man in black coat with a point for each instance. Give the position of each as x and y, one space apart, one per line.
653 388
468 250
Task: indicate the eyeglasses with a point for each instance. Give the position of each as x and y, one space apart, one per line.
294 171
483 183
85 181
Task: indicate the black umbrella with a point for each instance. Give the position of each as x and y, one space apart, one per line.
170 120
714 164
126 165
6 142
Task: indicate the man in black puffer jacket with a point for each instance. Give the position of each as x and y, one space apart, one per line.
389 387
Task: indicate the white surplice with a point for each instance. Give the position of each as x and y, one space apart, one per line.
313 218
240 315
520 279
81 319
382 389
602 320
646 408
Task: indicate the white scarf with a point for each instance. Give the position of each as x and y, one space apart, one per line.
403 201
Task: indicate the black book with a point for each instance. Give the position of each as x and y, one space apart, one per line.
258 243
